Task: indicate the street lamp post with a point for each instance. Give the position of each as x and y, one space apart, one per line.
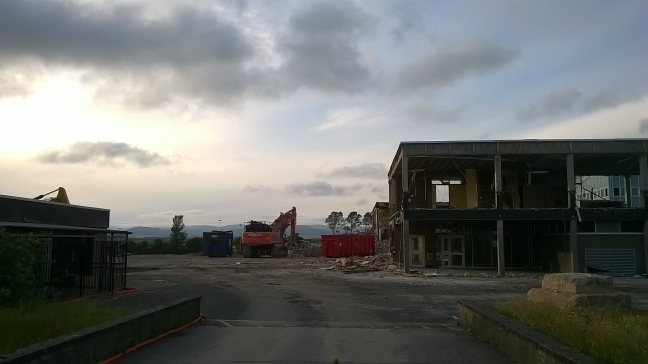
220 225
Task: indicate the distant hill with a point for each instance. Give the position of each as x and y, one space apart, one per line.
140 232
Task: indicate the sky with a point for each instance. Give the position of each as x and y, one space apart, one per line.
239 110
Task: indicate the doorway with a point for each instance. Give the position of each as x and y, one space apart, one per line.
452 251
417 251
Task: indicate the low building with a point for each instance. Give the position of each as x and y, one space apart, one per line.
81 255
514 204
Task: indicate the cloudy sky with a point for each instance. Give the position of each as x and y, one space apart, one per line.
238 110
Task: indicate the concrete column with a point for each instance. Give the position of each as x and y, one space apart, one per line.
501 270
573 227
405 206
573 243
571 181
646 244
472 189
643 179
643 183
628 195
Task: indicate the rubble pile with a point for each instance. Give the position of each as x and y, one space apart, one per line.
307 250
382 246
349 265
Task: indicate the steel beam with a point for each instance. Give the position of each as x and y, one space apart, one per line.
643 183
500 223
405 206
501 270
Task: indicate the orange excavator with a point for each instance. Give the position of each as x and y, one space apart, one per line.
262 239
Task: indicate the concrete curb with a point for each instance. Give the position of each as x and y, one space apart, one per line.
100 342
520 342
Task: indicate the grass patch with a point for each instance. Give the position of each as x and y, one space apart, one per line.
29 323
610 336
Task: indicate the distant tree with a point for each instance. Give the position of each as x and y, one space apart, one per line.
236 245
158 245
353 221
346 227
178 235
194 245
335 221
367 222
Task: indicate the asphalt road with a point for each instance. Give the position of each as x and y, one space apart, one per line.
282 314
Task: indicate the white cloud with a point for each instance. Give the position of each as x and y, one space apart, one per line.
351 117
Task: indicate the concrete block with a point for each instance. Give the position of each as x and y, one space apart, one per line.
610 299
577 283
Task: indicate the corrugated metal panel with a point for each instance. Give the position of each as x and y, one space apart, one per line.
611 261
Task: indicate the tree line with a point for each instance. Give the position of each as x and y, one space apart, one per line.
178 242
354 223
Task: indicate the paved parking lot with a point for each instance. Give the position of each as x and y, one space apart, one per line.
288 310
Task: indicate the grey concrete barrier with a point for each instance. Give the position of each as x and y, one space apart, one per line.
100 342
515 339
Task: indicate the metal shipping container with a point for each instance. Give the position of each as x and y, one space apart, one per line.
218 243
335 246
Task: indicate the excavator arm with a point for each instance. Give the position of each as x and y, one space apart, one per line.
61 196
284 221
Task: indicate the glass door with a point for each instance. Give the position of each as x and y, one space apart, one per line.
417 251
453 251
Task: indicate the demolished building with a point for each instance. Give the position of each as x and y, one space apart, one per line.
515 204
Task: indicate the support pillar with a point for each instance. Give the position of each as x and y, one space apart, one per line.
404 206
573 227
628 195
643 184
501 270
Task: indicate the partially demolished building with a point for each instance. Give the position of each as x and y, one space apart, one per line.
519 204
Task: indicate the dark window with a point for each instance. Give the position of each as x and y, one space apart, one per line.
631 226
587 227
635 191
607 226
615 192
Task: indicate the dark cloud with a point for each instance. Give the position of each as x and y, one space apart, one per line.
606 100
256 188
321 48
190 52
103 152
408 20
366 170
556 103
573 102
643 126
449 64
320 188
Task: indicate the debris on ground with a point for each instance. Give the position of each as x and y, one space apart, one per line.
306 250
348 265
438 273
382 247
